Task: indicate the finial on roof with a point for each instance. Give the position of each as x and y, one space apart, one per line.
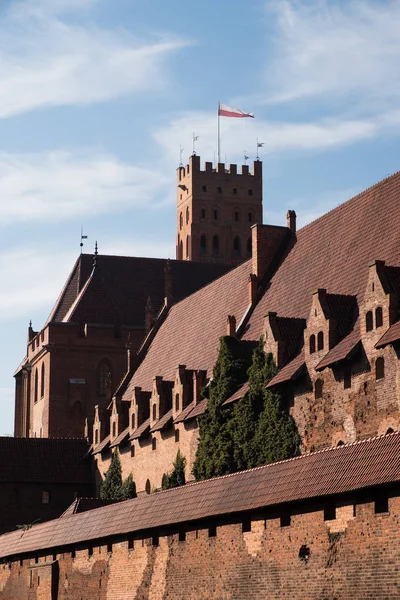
167 268
96 252
30 324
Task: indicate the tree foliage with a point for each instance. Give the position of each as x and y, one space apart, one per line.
177 475
257 431
215 452
113 488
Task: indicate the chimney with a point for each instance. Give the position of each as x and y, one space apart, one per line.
199 381
231 326
168 283
291 220
253 285
268 243
149 315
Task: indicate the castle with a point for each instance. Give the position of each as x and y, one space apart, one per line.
125 354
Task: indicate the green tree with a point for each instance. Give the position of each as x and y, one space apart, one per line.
215 450
177 475
111 488
128 488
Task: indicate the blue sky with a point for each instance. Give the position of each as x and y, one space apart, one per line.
96 97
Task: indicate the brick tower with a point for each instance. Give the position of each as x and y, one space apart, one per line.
216 210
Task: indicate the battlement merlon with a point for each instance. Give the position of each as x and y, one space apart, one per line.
193 168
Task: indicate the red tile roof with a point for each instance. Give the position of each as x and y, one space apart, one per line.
341 350
141 430
120 438
190 334
333 252
335 471
239 394
81 505
289 371
391 335
198 410
182 416
49 460
128 282
103 444
163 422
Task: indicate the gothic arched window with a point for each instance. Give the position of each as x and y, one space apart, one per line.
104 377
203 244
378 317
180 221
320 340
187 216
215 246
36 383
369 324
154 412
177 402
42 381
133 421
312 344
236 247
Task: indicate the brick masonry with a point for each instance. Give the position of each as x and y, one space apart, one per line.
351 556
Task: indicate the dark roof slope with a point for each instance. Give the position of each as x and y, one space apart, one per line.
334 251
129 281
49 460
81 505
190 334
330 472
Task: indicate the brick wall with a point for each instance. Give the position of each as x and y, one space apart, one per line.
352 556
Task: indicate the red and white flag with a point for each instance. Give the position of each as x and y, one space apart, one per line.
228 111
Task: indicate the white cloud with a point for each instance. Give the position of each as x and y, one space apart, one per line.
62 185
239 135
332 51
46 60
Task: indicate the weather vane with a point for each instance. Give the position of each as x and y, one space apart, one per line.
195 138
83 237
181 149
246 158
259 145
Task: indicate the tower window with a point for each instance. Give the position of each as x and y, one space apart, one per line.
203 244
380 368
187 216
219 190
42 381
180 221
236 215
154 412
249 192
203 213
378 317
250 217
249 248
133 421
312 344
319 384
204 188
177 402
187 246
35 397
369 325
235 190
215 214
215 246
236 247
154 444
320 340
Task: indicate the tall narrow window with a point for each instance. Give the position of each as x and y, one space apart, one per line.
154 412
187 216
249 248
312 344
320 340
250 217
180 221
215 214
187 246
236 247
347 377
45 497
154 444
378 317
380 368
203 244
133 421
215 246
318 389
250 192
114 430
148 487
96 437
236 215
203 213
177 402
369 321
35 395
42 381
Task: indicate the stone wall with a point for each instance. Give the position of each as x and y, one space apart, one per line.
304 556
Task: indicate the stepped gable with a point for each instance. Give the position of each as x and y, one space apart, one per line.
130 281
335 471
190 333
50 460
334 251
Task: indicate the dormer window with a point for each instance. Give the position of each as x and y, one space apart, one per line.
369 324
312 344
320 340
203 244
378 317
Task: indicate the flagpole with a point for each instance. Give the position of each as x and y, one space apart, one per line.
219 136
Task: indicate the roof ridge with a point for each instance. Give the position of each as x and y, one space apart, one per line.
288 460
368 189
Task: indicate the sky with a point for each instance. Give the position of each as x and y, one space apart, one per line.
98 96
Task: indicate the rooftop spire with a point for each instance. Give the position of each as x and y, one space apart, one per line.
96 253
